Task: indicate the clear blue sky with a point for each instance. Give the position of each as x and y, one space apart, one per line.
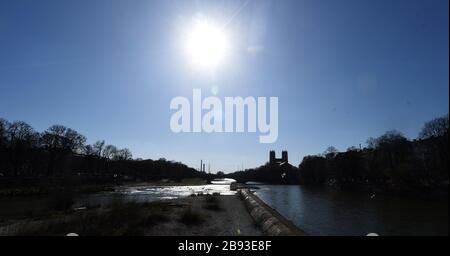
343 71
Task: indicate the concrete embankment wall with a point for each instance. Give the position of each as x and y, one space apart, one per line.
270 221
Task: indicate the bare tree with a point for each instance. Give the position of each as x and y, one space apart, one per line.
88 150
63 138
109 152
390 137
435 128
371 143
21 132
22 138
3 132
330 152
98 147
122 154
59 141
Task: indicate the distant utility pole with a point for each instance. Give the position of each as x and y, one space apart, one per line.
201 165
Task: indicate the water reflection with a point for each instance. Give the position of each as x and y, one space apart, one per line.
321 211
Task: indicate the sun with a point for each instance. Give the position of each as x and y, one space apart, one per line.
206 44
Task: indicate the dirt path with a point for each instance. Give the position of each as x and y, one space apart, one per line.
206 215
230 220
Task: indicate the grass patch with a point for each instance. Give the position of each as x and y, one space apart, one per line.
191 217
212 203
118 219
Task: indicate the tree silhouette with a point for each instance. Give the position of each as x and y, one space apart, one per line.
109 152
97 147
388 138
122 154
62 138
88 150
435 128
3 132
20 132
391 161
330 152
21 139
60 141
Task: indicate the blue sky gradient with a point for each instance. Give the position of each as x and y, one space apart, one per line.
343 71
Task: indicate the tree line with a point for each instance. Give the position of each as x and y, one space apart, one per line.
390 163
59 151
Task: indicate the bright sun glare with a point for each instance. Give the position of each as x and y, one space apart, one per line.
206 44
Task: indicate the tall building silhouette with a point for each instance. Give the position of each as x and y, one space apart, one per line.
274 160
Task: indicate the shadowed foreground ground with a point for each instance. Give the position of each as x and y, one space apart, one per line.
212 215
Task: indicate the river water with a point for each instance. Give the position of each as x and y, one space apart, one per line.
321 211
318 211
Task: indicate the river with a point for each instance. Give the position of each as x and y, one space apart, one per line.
322 211
318 211
151 193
